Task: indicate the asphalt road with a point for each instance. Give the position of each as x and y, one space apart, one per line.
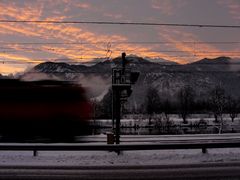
217 171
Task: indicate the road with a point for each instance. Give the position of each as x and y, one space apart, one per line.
218 171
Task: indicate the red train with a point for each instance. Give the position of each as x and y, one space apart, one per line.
51 110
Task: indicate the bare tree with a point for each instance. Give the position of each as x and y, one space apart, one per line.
217 100
152 102
232 107
166 108
186 100
106 104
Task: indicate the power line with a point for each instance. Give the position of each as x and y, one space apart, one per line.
119 50
177 70
109 72
120 42
77 60
7 49
122 23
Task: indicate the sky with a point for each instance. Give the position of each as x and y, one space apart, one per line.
24 45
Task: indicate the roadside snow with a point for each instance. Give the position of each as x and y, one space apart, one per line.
95 158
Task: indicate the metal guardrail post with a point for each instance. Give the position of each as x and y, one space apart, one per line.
110 138
204 150
35 152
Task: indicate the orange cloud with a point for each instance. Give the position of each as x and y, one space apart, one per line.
233 6
189 45
11 63
7 28
18 58
114 16
22 13
168 7
6 69
83 5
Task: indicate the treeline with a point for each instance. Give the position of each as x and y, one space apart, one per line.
186 102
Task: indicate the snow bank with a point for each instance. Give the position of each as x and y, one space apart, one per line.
95 158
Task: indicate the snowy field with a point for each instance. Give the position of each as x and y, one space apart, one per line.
96 158
140 125
147 157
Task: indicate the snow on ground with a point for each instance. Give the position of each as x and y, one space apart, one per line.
96 158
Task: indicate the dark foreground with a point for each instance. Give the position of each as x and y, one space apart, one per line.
197 171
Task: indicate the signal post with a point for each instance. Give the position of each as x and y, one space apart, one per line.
122 80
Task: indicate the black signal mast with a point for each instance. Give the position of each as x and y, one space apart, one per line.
122 80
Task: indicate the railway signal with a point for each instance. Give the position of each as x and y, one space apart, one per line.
122 80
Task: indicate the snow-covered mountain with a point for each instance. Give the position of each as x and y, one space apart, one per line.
167 78
161 61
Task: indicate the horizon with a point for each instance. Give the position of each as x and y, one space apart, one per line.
93 62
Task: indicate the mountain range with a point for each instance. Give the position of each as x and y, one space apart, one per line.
166 76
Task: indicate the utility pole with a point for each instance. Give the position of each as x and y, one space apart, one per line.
122 79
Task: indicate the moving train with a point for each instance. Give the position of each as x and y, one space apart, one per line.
46 110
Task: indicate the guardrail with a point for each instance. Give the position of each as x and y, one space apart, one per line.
117 148
163 138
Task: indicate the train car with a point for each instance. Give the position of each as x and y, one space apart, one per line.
50 110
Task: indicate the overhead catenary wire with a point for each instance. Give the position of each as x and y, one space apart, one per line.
102 59
119 42
8 49
91 43
121 23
